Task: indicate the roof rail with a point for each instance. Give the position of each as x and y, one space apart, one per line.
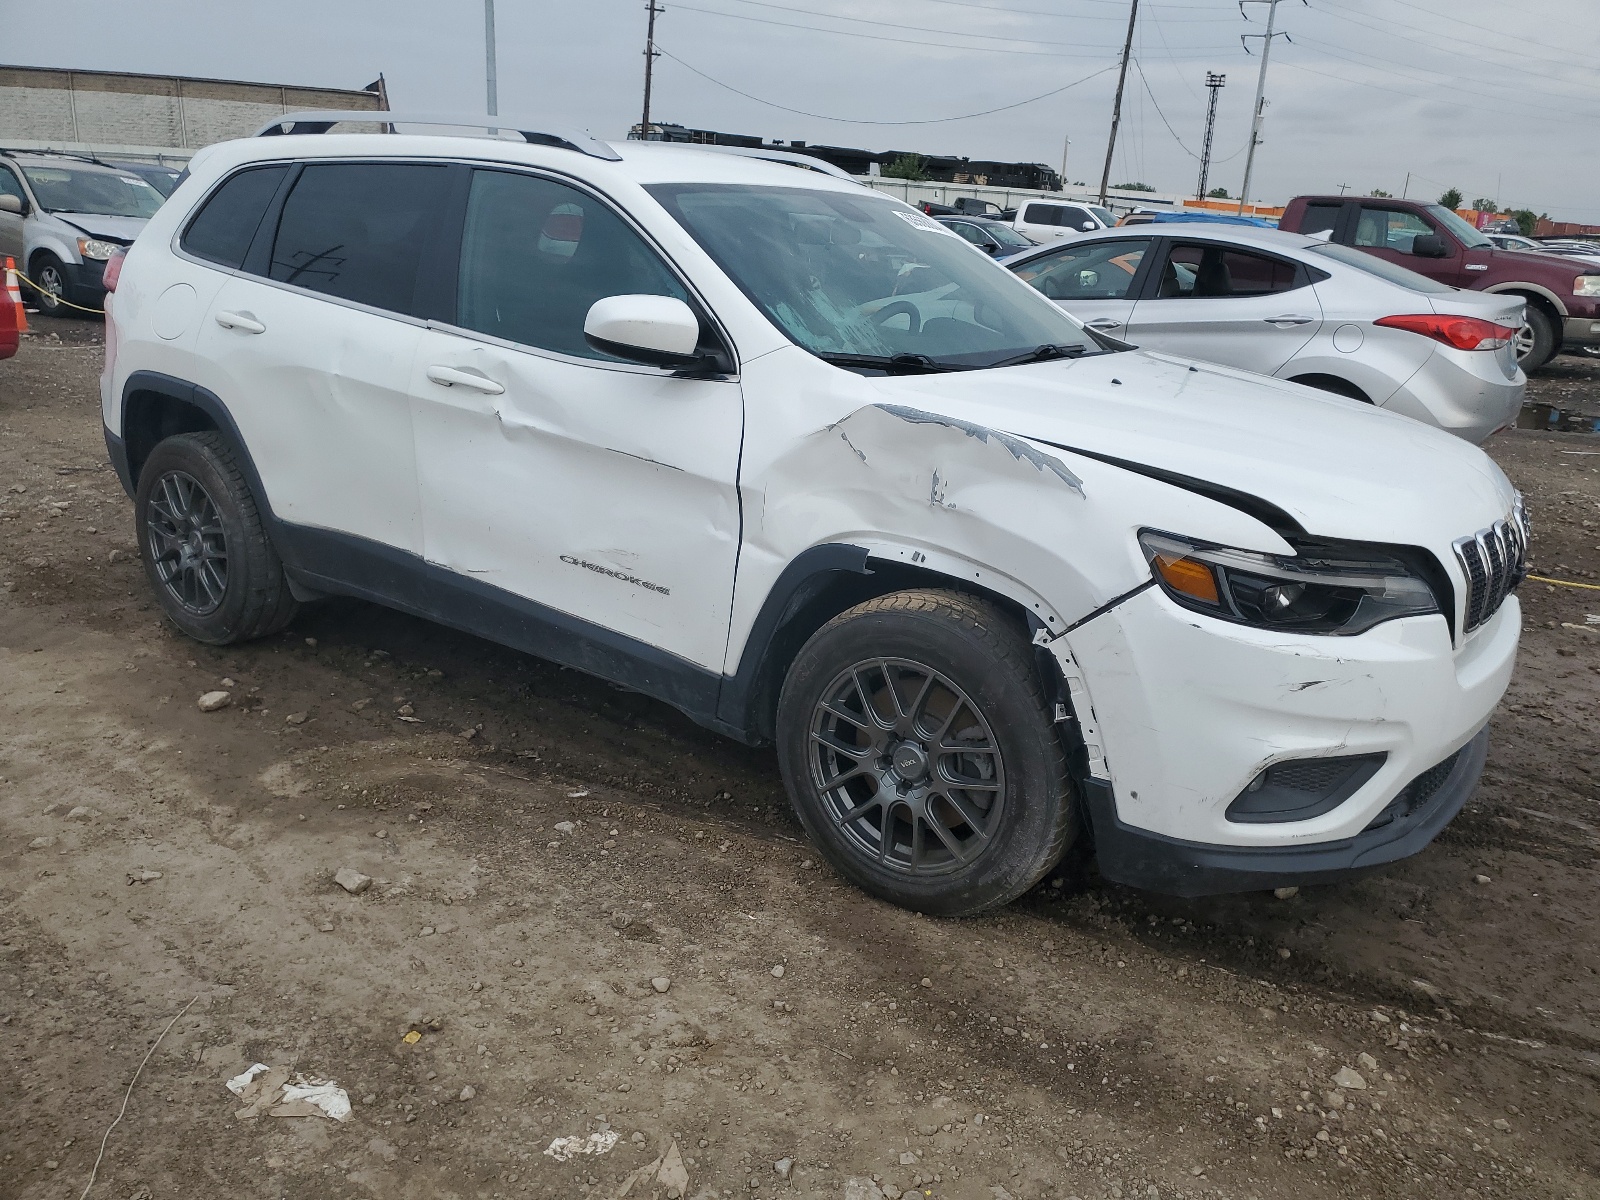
805 161
316 121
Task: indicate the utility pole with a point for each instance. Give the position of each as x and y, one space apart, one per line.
1065 146
491 75
1261 88
1406 191
650 56
1343 187
1216 83
1116 107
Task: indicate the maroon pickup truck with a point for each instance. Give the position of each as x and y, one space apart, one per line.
1563 295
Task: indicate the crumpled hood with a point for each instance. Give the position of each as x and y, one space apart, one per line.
1338 467
116 229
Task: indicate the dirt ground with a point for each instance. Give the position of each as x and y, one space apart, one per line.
543 847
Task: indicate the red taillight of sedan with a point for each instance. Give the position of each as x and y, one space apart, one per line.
1462 333
113 270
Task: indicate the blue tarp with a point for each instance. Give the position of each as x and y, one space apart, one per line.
1210 218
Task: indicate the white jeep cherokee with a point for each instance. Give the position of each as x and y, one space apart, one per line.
787 455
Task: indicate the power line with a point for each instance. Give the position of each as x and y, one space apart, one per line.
812 12
878 37
1138 67
1543 59
857 121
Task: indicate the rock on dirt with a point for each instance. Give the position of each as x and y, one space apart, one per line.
352 880
212 701
1346 1077
661 983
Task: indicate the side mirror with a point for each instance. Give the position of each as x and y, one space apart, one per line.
1089 225
989 247
1430 245
660 330
11 204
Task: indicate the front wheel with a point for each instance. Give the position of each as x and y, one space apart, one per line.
50 280
205 551
916 743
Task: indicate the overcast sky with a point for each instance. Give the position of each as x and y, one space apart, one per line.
1501 100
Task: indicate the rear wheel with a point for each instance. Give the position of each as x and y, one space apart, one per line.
1536 340
204 548
917 747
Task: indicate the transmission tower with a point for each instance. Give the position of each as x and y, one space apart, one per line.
1216 83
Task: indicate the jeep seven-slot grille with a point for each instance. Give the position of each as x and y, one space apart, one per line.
1495 561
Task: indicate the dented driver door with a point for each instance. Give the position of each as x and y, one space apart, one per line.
604 490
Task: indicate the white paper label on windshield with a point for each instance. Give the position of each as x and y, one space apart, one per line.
918 221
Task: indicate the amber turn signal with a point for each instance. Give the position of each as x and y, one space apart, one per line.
1189 577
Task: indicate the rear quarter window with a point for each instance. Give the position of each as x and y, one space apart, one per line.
221 232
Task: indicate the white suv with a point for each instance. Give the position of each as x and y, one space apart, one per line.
784 453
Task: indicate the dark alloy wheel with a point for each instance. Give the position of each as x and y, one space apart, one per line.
907 767
188 546
918 748
204 546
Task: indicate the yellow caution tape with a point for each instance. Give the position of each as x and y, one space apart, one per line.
1593 587
37 289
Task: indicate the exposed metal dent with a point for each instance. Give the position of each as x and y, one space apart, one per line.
1021 450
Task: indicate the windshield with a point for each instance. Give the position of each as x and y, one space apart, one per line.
1381 267
1468 236
842 274
102 193
1105 215
1007 236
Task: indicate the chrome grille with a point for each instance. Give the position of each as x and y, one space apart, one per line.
1494 560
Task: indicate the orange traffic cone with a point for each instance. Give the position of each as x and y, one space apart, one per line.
14 294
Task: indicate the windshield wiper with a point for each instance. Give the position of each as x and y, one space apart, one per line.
891 364
1042 354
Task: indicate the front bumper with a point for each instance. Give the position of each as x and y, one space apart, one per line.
1581 331
85 280
1139 858
1181 712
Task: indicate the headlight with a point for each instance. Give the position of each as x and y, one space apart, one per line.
1330 590
96 249
1586 285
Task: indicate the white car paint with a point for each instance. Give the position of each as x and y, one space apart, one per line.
667 509
1323 330
1068 219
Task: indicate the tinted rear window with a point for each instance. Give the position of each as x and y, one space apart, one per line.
1320 218
357 230
1042 214
222 230
1381 267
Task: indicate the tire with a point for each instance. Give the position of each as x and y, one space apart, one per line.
51 277
207 557
952 659
1536 341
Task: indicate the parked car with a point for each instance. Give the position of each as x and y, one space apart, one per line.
784 453
69 215
994 238
1321 315
10 326
1511 241
1587 252
1053 220
1563 298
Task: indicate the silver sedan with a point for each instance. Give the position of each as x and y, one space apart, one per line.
1299 308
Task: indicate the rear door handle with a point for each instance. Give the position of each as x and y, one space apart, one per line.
1289 320
476 380
1102 324
243 322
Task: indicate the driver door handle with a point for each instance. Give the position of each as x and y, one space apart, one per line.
1290 319
1102 324
476 380
243 322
